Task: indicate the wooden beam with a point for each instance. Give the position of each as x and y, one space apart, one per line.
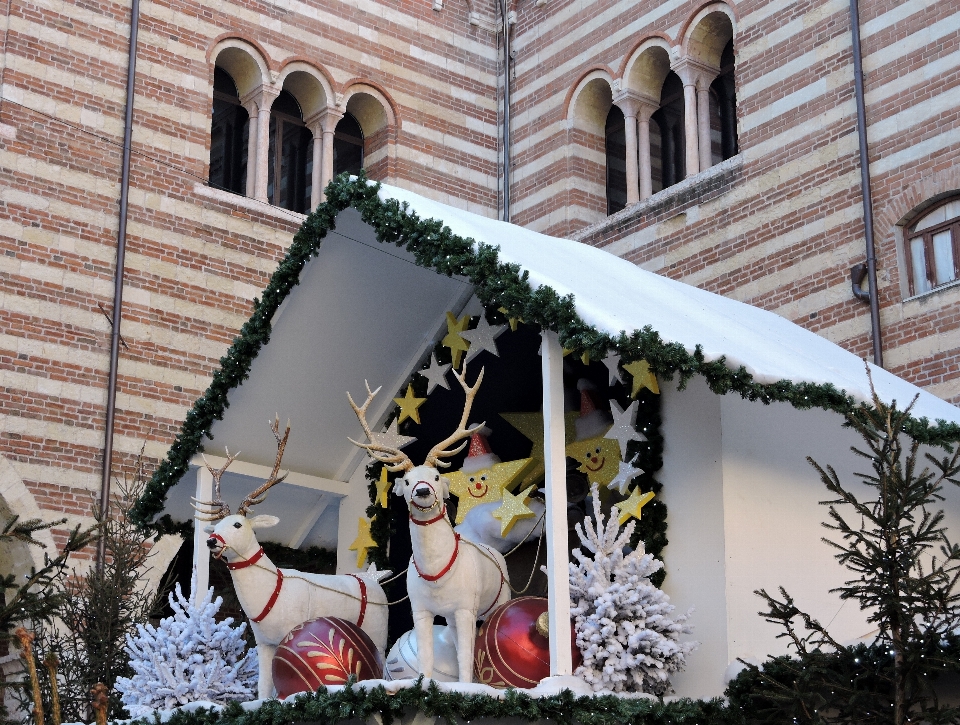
255 470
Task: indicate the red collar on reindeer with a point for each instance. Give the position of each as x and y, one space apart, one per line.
272 600
234 565
440 574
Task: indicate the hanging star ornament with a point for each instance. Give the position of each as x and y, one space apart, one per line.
363 542
625 475
598 457
612 362
483 337
531 426
454 337
632 506
436 374
514 321
624 428
383 488
484 485
642 377
513 509
391 437
409 405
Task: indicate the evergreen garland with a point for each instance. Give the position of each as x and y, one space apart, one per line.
453 707
496 285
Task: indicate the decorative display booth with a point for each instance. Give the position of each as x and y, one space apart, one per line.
600 464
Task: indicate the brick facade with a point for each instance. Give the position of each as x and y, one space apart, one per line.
779 225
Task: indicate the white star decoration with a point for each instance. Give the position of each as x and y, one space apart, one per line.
436 374
624 476
624 427
483 337
391 437
612 361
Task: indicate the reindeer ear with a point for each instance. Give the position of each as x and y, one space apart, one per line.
263 521
445 487
398 486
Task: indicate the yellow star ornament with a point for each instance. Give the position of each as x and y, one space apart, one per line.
513 509
485 485
408 406
383 489
363 542
632 506
512 320
599 458
531 426
642 377
453 340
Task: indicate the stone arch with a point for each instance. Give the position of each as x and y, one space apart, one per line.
309 85
244 62
590 101
708 33
647 67
17 499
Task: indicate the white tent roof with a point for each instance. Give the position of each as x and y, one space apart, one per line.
615 295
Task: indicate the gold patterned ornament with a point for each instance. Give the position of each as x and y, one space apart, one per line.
484 485
453 339
383 489
643 377
513 509
409 404
632 506
531 426
363 542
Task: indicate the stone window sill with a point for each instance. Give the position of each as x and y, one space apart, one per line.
245 202
662 199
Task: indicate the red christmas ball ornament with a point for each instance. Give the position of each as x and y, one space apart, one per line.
324 651
513 646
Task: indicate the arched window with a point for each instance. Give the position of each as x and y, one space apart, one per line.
348 146
933 248
723 109
290 156
228 136
669 135
616 146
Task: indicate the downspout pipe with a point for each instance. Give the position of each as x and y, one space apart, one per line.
505 15
865 186
118 280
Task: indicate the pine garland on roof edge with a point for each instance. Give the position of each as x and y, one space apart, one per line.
497 285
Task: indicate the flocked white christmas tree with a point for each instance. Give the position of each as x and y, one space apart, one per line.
629 641
188 657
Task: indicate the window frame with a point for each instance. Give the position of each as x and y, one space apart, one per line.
953 225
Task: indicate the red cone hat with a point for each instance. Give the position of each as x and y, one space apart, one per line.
592 422
479 455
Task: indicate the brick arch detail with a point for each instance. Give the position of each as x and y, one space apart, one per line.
903 208
21 502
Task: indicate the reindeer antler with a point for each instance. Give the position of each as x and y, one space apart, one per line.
462 432
260 494
216 509
394 458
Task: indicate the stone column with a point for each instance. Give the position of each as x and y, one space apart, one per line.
264 98
627 102
646 110
251 108
328 121
316 176
703 126
694 76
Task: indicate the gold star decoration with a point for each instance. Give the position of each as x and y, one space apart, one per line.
453 339
383 488
512 320
599 458
642 377
485 485
531 426
585 357
513 509
363 542
408 406
632 506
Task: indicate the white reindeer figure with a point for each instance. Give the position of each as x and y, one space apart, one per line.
277 600
457 579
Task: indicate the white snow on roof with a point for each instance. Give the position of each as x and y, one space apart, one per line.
615 295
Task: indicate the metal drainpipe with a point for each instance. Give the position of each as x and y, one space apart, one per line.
865 185
118 279
506 110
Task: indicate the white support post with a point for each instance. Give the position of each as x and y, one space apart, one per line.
558 586
201 554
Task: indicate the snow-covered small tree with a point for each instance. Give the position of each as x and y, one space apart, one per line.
629 641
189 657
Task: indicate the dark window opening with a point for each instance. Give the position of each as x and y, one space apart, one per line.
669 123
724 95
616 150
348 146
228 136
289 156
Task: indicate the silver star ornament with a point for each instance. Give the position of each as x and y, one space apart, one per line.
612 361
624 476
483 337
436 374
391 437
624 428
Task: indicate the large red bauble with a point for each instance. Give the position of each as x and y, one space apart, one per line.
510 651
324 651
